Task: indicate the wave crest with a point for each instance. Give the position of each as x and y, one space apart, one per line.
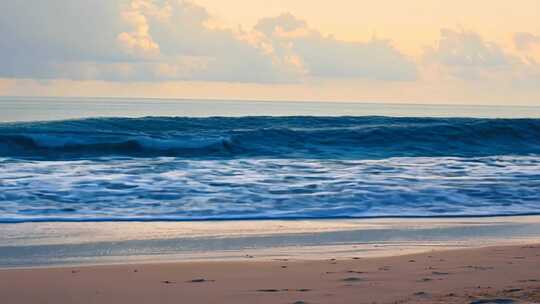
279 137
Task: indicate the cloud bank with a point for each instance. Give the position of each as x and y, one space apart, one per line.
159 40
325 56
524 41
468 56
176 48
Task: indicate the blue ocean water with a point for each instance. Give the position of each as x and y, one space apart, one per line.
266 167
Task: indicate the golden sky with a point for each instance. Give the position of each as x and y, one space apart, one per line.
410 24
428 51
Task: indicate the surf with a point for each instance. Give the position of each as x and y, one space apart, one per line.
304 137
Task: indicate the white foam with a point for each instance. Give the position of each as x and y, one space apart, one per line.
180 189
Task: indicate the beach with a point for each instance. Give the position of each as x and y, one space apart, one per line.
508 274
452 260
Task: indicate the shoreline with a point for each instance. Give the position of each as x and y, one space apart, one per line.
262 219
45 245
504 273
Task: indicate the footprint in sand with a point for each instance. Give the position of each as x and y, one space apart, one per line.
268 290
422 294
494 301
283 290
440 273
199 281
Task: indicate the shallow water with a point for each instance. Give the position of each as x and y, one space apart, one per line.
63 244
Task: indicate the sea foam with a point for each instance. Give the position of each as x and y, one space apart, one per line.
159 168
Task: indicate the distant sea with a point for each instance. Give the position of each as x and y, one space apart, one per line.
98 159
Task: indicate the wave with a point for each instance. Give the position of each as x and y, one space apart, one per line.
176 189
271 137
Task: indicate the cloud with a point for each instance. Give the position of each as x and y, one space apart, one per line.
468 49
325 56
39 35
524 41
190 50
467 55
138 40
126 40
162 40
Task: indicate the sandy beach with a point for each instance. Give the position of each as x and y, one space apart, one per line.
502 274
453 260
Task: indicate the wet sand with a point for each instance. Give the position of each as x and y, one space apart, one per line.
73 244
503 274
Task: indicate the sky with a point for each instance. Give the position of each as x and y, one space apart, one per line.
416 51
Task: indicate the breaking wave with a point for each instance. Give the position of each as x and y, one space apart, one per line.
271 137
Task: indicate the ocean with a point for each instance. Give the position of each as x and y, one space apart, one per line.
99 159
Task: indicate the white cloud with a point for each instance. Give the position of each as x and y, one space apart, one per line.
138 41
468 49
127 40
222 54
327 57
467 56
524 41
159 40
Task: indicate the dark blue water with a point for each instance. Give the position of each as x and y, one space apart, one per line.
215 168
301 137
